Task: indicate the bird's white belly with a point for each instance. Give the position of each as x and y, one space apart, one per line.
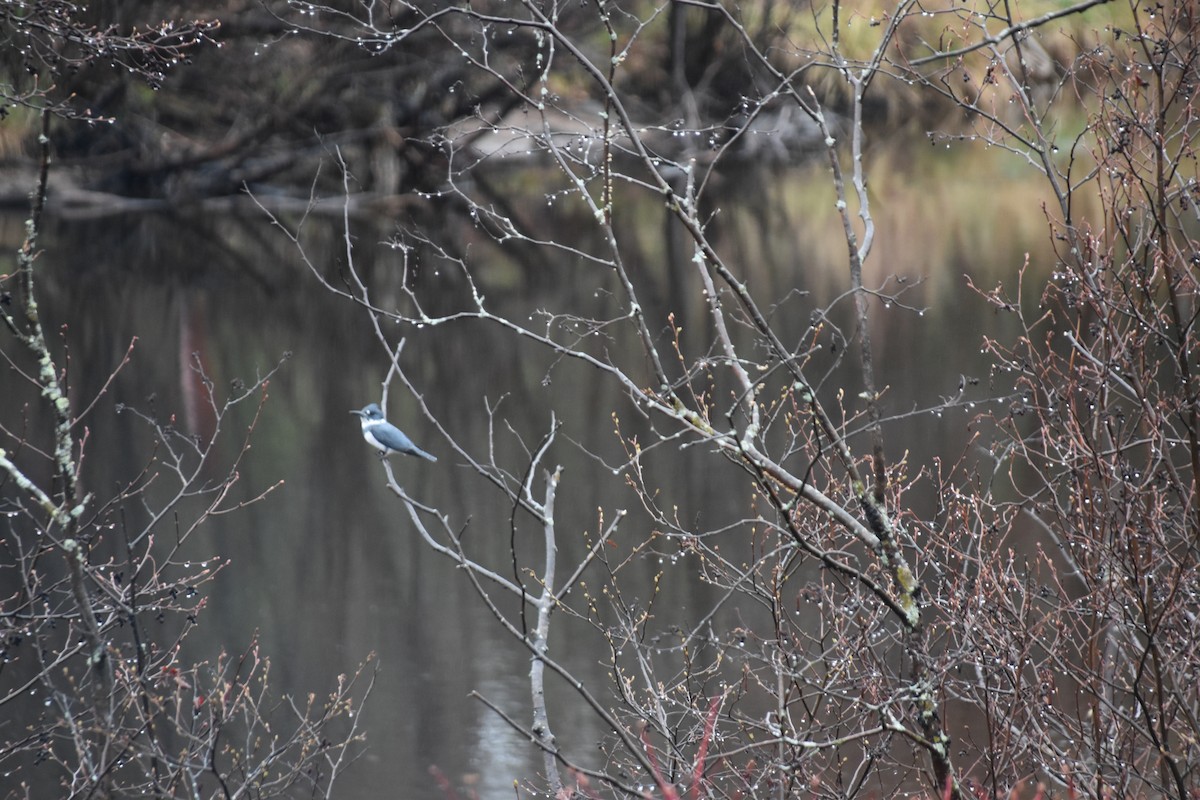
371 440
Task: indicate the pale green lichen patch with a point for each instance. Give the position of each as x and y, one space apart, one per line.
912 614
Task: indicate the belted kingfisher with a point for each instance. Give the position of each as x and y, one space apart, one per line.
385 436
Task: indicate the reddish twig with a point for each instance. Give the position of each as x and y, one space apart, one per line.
664 786
698 770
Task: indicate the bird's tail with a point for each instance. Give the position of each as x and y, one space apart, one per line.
424 455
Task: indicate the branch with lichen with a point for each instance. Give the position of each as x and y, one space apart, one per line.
63 505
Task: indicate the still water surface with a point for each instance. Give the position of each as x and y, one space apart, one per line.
326 569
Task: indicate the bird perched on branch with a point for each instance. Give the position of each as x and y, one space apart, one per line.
386 437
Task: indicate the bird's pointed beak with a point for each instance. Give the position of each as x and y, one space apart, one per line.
356 412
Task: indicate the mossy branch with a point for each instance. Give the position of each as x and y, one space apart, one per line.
62 504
